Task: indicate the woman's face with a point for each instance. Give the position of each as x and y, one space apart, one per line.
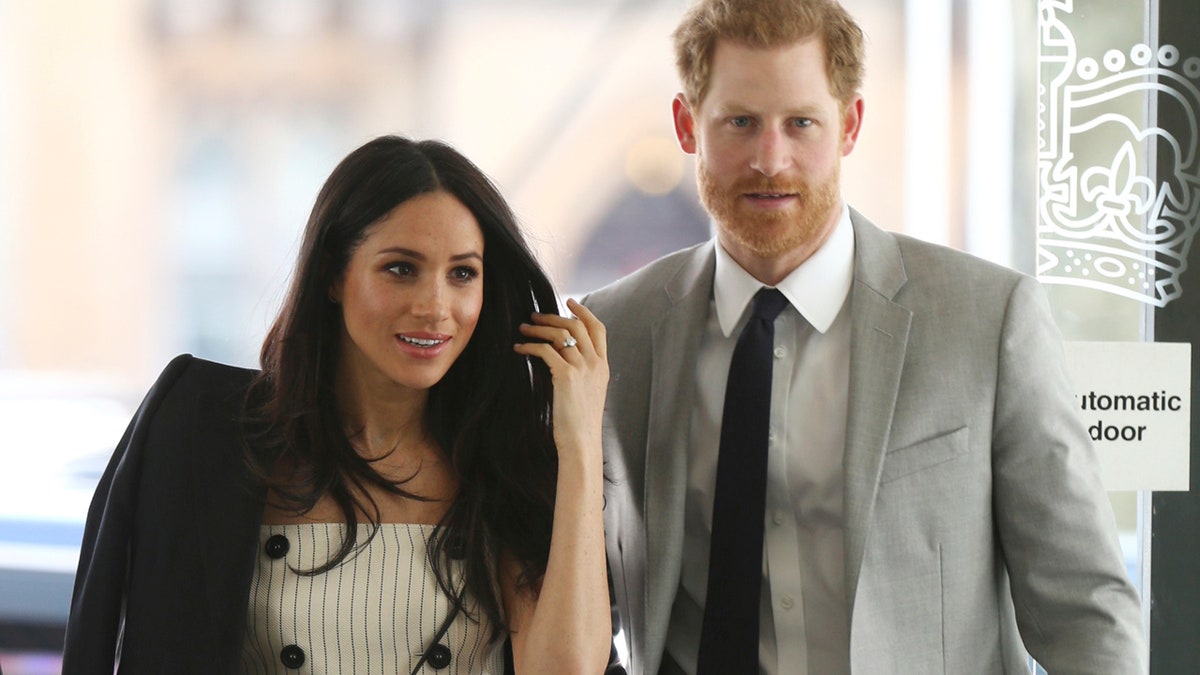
411 293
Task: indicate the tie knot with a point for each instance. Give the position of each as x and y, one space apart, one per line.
768 303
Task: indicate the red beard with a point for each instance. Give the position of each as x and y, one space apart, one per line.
768 234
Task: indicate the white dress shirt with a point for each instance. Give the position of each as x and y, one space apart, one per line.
803 622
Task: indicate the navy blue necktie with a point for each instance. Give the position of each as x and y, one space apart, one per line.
729 635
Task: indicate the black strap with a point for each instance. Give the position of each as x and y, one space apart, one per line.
437 637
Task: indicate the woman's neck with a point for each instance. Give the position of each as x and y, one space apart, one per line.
382 418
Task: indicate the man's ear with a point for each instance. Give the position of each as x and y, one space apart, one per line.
852 118
685 124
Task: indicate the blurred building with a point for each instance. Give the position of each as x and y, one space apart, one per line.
160 156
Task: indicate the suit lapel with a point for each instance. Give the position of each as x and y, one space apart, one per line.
878 341
676 340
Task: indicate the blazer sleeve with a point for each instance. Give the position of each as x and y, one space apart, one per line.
1075 606
95 622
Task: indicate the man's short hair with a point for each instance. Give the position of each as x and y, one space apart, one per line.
767 24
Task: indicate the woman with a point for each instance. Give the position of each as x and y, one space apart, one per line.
398 489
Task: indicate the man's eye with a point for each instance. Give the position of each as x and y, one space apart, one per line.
802 122
740 122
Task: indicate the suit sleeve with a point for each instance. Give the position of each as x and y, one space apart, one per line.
1076 608
97 602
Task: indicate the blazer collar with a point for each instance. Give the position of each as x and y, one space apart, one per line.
878 342
675 343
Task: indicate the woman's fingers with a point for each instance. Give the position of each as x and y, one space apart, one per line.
560 340
580 340
584 333
595 329
541 350
574 350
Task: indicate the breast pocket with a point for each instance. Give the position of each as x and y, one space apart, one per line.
924 455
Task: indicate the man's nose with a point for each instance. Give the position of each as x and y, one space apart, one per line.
771 155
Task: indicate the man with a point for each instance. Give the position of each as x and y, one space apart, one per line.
931 500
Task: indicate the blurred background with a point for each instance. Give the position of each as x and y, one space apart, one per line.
158 159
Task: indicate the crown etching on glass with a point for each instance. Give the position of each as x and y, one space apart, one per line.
1103 222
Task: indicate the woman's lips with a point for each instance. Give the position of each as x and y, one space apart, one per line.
423 345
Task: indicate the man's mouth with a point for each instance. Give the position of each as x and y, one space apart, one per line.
768 197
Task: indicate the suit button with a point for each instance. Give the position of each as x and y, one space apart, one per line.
439 656
292 657
277 546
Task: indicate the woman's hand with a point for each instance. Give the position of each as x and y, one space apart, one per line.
566 626
576 352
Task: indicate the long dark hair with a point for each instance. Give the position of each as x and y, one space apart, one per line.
490 414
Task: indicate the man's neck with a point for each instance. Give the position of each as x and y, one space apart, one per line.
772 269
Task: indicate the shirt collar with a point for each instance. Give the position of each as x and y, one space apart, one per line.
817 288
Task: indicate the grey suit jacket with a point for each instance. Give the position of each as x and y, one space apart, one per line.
976 526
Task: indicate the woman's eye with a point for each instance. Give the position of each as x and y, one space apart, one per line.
464 273
401 269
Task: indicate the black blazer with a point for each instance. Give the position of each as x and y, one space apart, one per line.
177 510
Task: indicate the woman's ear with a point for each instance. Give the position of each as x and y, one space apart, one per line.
337 282
335 290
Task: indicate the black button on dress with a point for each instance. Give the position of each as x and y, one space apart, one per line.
292 657
277 546
439 656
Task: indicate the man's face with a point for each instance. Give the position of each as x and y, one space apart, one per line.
768 139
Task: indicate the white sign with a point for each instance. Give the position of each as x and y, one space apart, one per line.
1135 398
